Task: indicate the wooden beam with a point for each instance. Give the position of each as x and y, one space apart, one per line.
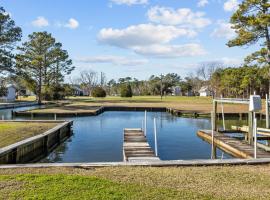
214 116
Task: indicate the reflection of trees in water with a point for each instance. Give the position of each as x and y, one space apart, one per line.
199 123
56 154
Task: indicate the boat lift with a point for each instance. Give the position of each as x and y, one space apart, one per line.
254 106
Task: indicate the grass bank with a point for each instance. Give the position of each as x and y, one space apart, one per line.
12 132
227 182
196 104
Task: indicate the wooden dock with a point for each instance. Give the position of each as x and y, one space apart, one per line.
136 148
232 146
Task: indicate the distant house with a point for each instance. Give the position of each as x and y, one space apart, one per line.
176 91
77 91
11 93
189 93
204 91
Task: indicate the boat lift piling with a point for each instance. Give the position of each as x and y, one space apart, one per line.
232 145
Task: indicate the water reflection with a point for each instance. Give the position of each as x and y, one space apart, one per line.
100 138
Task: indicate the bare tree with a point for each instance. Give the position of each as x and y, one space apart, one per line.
205 73
89 79
102 79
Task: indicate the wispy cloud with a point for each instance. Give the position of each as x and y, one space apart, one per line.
129 2
202 3
223 30
115 60
40 22
231 5
183 17
72 23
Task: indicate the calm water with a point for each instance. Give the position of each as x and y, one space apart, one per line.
100 138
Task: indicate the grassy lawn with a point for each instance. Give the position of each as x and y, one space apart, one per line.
28 98
12 132
196 104
227 182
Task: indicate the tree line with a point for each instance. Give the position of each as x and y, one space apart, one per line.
40 64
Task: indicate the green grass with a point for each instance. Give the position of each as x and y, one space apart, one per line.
81 187
12 132
224 182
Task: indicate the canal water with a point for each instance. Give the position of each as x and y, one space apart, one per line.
100 138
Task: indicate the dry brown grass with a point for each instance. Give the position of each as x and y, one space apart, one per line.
196 104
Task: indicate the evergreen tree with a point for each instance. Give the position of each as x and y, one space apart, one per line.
41 62
9 35
251 22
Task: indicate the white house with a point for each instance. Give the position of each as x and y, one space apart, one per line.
11 93
204 91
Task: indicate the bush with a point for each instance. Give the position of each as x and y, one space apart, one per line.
98 92
126 91
3 91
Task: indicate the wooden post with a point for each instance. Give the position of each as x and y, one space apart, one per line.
267 111
213 147
145 122
155 132
214 116
255 138
250 128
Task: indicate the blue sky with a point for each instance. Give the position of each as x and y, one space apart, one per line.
134 37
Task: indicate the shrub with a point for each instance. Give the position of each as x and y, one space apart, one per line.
126 90
98 92
3 91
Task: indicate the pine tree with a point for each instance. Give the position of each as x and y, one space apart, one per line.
43 63
251 22
9 35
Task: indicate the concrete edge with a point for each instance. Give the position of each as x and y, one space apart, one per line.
172 163
18 105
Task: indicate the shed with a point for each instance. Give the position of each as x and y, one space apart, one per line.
204 91
11 93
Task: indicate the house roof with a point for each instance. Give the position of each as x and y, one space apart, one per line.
204 89
11 85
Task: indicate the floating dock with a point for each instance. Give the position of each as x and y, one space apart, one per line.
136 148
235 147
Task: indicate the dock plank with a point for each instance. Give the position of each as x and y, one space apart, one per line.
136 147
232 146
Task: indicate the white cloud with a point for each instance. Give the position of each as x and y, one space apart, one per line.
40 22
202 3
183 17
151 40
231 5
223 30
231 61
171 51
72 24
142 35
129 2
116 60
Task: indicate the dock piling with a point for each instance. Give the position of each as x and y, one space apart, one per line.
267 111
155 135
145 122
255 138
